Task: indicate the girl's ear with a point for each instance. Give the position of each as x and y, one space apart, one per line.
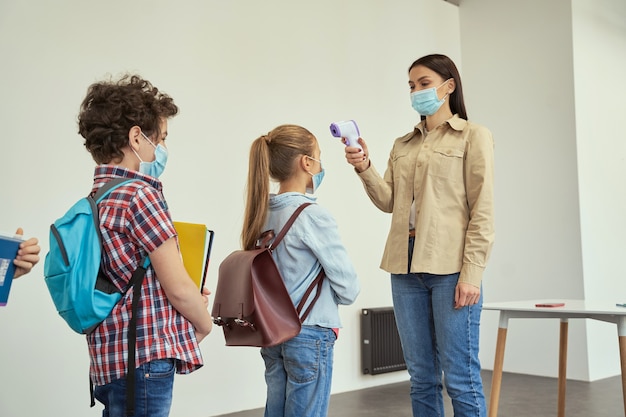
305 163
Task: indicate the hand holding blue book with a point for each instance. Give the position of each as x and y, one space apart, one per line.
9 245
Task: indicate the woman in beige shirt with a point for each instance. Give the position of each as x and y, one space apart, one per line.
438 186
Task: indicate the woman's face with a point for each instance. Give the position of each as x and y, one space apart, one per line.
421 78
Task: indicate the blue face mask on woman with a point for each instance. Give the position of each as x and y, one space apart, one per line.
156 167
426 102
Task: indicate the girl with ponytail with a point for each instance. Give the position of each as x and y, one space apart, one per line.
298 372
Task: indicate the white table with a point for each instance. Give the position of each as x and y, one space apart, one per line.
573 309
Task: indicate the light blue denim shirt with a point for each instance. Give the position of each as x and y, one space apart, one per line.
312 243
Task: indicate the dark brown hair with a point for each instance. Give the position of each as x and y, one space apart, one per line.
445 67
111 108
272 156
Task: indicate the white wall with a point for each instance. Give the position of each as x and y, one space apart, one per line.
236 69
547 78
519 80
599 33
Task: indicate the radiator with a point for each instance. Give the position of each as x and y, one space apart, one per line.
381 350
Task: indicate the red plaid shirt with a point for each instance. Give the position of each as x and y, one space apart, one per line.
134 221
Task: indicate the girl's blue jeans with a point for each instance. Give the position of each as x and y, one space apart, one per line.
298 374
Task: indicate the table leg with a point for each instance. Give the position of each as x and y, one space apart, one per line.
621 332
562 366
496 379
622 356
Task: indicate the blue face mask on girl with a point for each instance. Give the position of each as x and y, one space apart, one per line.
156 167
317 178
426 102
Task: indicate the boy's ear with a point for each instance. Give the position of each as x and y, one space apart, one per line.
134 137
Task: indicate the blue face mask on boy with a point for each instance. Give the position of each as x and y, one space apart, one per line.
156 167
426 102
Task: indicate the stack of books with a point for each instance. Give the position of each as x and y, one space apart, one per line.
195 241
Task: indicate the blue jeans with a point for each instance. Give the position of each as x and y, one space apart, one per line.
440 344
154 382
298 374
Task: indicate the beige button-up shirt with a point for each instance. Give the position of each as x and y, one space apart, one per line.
447 177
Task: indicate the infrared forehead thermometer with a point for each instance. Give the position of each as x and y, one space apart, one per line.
346 129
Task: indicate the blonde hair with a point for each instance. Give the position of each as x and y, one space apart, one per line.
272 156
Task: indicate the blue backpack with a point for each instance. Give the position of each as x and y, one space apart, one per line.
82 294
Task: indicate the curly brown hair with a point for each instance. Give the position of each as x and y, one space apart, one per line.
111 108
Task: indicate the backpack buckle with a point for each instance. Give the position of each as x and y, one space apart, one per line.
245 323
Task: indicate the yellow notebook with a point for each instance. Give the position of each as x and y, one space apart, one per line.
195 242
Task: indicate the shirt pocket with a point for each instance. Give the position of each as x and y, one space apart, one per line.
447 162
401 164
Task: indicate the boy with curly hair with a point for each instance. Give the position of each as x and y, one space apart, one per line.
124 124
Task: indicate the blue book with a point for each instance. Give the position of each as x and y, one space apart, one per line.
9 246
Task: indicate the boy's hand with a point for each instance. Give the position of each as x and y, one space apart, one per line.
27 256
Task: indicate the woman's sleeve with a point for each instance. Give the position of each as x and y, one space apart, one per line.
479 186
379 189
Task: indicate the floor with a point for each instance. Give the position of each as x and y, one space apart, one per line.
520 396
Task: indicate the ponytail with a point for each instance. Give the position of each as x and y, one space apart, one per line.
257 193
272 156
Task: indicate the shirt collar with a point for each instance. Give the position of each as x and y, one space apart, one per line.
455 122
282 200
112 171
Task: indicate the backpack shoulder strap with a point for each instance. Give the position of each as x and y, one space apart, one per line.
287 225
109 186
136 281
94 200
317 282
